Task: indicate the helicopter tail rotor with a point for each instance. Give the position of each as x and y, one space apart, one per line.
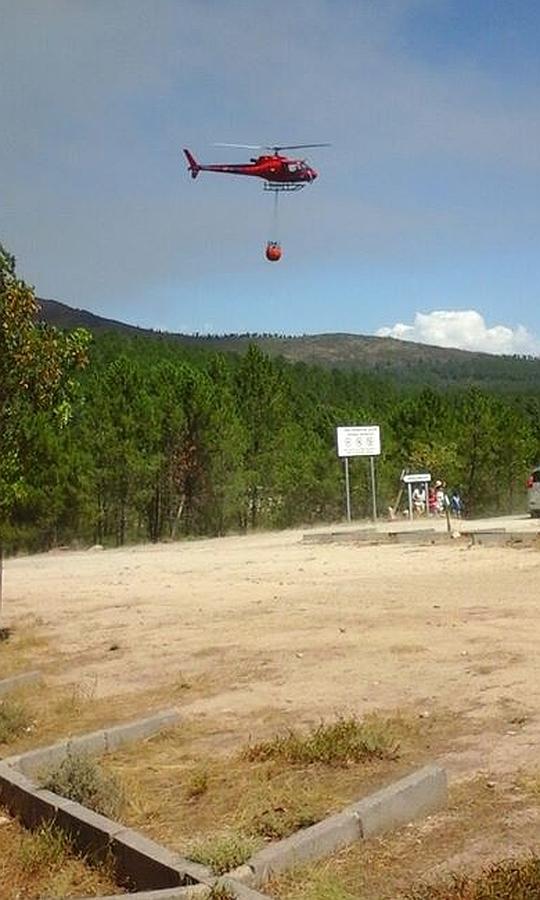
193 165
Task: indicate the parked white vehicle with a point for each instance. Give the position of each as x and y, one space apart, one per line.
533 490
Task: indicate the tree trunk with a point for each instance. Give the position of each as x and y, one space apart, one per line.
178 516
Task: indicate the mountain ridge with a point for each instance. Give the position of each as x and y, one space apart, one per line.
341 350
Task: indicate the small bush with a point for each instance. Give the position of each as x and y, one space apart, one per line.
279 822
507 880
339 743
80 778
45 848
223 852
221 892
14 720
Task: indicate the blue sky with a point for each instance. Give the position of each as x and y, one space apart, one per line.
427 201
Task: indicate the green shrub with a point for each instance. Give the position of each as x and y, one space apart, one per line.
80 778
279 822
223 852
221 892
339 743
45 848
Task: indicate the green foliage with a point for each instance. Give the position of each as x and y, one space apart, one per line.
224 851
221 892
80 778
167 440
47 847
339 743
37 365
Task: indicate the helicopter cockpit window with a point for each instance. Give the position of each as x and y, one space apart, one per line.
293 167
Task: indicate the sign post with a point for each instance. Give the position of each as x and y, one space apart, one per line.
347 490
359 440
422 478
373 490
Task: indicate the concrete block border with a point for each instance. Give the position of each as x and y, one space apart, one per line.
370 537
152 871
97 743
500 537
410 798
14 682
493 537
193 892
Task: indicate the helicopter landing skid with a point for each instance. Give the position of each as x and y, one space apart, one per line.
278 186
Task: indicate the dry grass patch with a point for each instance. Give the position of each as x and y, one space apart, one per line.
530 783
479 826
55 712
267 790
43 864
24 647
15 720
514 879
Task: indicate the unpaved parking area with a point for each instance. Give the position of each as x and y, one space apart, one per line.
265 629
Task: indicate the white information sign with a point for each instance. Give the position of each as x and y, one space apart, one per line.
422 478
358 440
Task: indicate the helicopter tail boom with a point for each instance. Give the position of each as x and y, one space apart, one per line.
193 165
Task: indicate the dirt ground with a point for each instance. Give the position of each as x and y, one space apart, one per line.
247 634
264 628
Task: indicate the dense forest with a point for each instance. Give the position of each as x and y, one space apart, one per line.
165 441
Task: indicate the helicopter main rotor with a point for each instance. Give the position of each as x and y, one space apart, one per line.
275 148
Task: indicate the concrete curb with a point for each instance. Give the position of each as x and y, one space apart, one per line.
193 892
241 891
183 893
341 537
417 795
421 536
139 862
157 873
500 537
18 681
372 537
96 743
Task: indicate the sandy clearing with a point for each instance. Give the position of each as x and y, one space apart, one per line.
276 628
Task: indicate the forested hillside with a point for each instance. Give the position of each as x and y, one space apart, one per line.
415 364
167 441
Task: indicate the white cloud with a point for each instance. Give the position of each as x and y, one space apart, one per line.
465 329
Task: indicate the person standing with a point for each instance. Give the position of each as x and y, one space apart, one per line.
456 504
441 498
419 500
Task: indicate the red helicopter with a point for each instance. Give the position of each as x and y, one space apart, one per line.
279 172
